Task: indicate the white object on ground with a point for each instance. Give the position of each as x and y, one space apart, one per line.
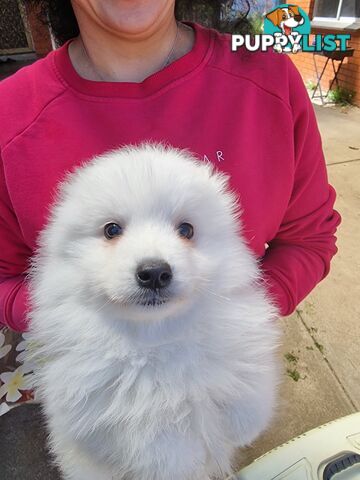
315 455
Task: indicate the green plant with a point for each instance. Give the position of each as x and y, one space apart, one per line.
311 85
294 374
290 357
319 347
341 96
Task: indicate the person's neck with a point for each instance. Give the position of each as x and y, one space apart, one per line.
105 56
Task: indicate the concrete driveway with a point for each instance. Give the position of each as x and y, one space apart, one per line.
321 352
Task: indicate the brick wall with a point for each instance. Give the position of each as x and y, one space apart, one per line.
39 33
349 76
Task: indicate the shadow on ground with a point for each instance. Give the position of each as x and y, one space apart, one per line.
23 454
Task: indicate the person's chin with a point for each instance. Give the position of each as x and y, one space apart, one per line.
131 18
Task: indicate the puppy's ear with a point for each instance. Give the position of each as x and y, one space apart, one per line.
294 9
275 17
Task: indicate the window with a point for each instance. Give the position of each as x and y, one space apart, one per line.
337 9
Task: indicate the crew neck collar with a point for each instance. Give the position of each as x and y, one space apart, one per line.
183 66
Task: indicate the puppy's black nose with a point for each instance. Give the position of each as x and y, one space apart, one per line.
298 18
153 275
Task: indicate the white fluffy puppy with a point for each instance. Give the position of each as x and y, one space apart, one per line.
156 343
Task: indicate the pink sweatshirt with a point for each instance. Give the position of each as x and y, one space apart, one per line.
248 113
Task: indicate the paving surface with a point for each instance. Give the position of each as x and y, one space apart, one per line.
321 348
324 333
23 454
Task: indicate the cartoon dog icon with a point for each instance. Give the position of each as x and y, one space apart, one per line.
286 18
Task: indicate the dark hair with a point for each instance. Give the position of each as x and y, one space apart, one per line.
60 17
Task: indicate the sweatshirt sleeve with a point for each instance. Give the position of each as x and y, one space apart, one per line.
299 256
14 255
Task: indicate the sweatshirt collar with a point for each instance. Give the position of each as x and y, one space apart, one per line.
180 68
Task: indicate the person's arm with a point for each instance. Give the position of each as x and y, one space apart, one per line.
14 256
299 256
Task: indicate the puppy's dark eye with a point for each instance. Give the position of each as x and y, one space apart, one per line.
112 230
186 230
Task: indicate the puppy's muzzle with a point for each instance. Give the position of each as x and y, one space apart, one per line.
154 275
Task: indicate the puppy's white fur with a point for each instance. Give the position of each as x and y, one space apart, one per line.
136 392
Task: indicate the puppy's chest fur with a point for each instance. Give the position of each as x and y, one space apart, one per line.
137 394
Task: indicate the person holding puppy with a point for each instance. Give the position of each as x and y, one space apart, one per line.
126 72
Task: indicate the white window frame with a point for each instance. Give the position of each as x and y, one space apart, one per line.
338 19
